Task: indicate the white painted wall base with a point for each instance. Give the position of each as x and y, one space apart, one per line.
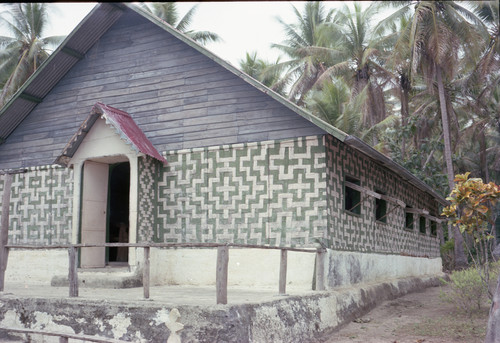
36 267
346 268
247 267
260 268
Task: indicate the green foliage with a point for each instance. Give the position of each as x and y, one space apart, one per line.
168 12
466 290
473 209
25 49
473 205
265 72
424 162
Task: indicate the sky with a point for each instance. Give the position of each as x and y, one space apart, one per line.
244 26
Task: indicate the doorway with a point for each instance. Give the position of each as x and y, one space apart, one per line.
118 225
105 213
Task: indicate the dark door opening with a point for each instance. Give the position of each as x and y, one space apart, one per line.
118 225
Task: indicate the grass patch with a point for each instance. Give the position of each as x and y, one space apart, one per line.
455 325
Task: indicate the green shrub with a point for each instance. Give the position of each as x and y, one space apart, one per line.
467 290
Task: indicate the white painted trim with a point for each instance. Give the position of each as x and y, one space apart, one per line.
103 144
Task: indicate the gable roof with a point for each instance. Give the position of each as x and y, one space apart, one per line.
124 126
96 24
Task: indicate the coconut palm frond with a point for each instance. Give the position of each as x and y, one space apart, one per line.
168 12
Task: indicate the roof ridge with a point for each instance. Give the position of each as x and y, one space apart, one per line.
112 109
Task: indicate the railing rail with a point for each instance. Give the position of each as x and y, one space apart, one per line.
156 245
221 269
63 337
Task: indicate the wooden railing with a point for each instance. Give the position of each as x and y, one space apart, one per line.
221 269
63 337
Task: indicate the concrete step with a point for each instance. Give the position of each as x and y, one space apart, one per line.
107 277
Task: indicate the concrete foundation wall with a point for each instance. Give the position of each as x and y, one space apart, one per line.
247 268
254 267
305 318
348 268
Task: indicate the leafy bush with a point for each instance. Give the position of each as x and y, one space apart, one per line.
473 209
467 291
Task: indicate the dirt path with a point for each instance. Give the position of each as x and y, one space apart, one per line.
422 317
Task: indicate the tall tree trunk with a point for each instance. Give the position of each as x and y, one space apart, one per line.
460 258
493 330
404 83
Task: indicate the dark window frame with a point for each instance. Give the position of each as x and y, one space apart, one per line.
380 209
424 226
433 225
409 224
352 197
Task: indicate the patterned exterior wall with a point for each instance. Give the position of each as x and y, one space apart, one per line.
147 194
41 206
283 193
271 192
347 231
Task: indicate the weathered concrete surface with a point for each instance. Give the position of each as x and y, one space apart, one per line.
305 318
346 268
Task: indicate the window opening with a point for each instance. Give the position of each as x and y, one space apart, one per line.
422 225
409 219
381 209
352 199
433 228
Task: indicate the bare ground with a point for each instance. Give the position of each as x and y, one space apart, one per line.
421 317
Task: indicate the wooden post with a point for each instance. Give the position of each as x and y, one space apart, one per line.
221 274
145 273
4 229
283 266
63 340
320 270
73 274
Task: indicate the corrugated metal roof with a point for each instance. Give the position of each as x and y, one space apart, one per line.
125 127
97 22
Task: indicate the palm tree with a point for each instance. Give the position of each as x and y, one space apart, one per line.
357 54
23 53
331 102
305 65
263 71
441 36
398 63
168 12
481 86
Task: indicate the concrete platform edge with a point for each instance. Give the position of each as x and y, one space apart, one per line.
307 318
